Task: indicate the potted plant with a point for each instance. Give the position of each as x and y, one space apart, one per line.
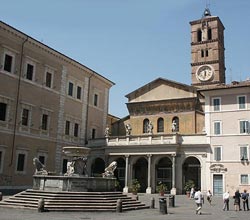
161 188
135 186
188 186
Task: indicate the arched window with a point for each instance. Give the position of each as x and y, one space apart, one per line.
160 125
175 124
209 34
145 126
199 35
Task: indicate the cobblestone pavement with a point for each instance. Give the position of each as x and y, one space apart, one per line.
184 209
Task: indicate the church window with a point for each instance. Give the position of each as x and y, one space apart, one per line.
202 53
209 34
206 53
199 35
145 125
160 125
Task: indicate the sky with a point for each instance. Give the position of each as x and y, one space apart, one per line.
132 42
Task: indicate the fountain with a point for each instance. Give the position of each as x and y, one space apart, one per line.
76 178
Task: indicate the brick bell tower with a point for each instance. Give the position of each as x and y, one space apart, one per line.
207 50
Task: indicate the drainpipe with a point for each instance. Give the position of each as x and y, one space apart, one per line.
87 111
17 102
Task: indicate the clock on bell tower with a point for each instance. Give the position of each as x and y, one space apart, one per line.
207 50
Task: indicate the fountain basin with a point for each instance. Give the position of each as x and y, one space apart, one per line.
73 183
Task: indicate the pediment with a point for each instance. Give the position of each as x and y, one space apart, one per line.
162 89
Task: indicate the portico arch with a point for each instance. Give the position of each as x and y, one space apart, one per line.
140 171
164 172
191 170
97 167
120 171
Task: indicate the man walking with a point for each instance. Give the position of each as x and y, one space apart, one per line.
226 201
198 197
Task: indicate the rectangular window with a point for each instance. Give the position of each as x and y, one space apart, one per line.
216 104
42 159
3 108
217 127
48 79
70 89
25 117
67 127
93 133
244 179
76 129
29 72
20 162
8 63
244 153
242 102
244 127
217 153
79 92
95 100
45 122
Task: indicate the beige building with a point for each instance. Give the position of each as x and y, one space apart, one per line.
47 101
227 116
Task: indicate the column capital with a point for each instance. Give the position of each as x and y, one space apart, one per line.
149 155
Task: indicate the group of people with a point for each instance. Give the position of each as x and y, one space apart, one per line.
238 197
237 200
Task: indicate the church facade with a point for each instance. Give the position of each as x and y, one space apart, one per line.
167 135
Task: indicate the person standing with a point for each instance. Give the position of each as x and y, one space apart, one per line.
244 197
192 193
209 197
226 201
237 200
198 197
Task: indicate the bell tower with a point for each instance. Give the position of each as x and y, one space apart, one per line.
207 50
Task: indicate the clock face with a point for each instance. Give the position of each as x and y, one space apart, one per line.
205 73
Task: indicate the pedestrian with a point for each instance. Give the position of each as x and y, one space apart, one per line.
237 200
198 197
209 196
192 193
226 201
244 197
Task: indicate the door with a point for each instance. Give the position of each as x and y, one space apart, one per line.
218 184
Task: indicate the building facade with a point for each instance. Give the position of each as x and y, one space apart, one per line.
47 101
227 115
176 132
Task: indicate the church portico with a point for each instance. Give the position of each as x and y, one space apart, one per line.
166 163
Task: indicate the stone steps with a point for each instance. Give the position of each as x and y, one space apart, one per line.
72 201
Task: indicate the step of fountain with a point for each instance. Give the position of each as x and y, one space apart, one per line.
72 201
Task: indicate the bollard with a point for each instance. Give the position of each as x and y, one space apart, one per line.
171 201
40 205
152 203
119 205
1 196
163 205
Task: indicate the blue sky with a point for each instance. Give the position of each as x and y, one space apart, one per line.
132 42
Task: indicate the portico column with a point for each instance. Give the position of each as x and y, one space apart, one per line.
125 189
173 190
148 190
